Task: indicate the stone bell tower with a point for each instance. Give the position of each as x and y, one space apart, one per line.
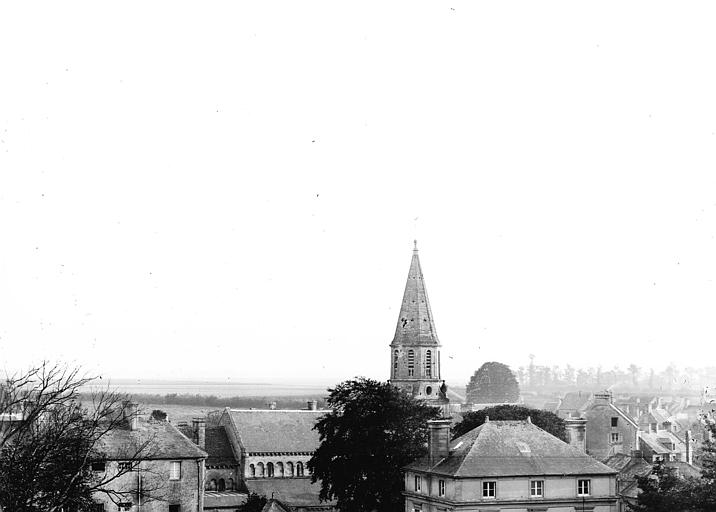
415 350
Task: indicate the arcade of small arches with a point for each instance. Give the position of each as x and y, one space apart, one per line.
277 470
220 485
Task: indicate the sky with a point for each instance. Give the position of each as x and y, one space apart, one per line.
231 190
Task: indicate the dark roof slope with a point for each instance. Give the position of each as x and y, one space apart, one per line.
575 401
512 448
291 491
267 430
165 442
219 448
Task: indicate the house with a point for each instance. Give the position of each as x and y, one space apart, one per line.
223 486
574 404
503 465
632 466
609 429
167 476
273 448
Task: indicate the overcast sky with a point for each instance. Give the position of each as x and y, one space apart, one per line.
230 190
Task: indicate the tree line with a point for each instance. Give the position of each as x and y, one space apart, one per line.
235 402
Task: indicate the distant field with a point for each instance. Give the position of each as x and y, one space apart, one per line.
219 389
178 413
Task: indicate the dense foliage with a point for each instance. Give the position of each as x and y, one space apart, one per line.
254 503
493 383
373 429
664 490
543 419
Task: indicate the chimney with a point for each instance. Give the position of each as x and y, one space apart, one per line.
198 425
603 398
576 432
438 439
131 414
271 406
689 448
312 405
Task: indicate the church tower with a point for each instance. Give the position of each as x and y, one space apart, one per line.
415 350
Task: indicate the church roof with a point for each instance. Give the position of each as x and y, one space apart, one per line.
266 430
415 322
511 448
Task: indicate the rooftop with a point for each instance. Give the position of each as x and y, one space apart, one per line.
512 448
266 430
166 442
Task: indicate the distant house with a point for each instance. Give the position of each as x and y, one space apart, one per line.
169 476
574 404
273 448
630 467
503 465
609 430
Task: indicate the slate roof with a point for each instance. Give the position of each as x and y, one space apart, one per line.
575 401
415 322
511 448
291 491
273 505
166 442
267 430
652 440
628 467
219 448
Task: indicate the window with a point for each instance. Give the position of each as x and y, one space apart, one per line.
441 487
174 508
299 468
652 427
252 471
279 469
269 470
583 487
615 437
221 485
615 422
395 362
260 469
289 469
124 505
537 488
98 466
418 483
489 489
411 363
428 364
175 470
124 466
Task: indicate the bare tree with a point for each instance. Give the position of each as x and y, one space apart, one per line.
50 439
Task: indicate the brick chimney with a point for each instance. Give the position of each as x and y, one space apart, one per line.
603 398
198 425
438 439
576 432
689 441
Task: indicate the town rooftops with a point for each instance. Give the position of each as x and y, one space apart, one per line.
275 430
575 401
511 448
165 442
663 442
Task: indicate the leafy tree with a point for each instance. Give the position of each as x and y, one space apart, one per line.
48 439
663 491
543 419
494 383
254 503
159 415
372 431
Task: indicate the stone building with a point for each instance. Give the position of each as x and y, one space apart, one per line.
168 477
506 465
415 349
609 430
273 448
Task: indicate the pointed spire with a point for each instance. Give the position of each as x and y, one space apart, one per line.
415 322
